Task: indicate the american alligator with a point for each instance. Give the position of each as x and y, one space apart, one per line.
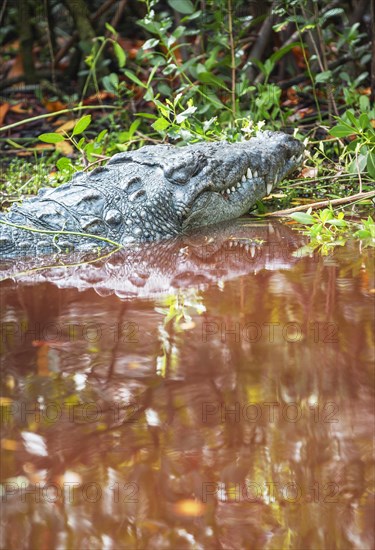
153 193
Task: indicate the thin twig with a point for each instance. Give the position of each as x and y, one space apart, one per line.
233 58
95 162
322 204
357 166
56 113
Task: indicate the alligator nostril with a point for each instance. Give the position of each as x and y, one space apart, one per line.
134 184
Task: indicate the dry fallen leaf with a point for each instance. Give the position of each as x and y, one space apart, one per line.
309 172
4 108
43 146
17 69
65 127
53 106
64 147
19 108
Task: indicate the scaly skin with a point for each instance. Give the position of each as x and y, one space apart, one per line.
154 193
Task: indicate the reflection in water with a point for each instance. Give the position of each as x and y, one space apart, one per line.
209 393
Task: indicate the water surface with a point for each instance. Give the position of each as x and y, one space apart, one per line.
215 392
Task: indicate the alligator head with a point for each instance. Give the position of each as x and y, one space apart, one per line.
156 192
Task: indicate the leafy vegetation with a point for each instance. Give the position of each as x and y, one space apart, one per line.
327 230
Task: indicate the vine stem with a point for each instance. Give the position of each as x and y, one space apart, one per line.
56 113
308 68
233 59
62 232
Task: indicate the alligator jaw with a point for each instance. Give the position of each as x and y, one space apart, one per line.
260 166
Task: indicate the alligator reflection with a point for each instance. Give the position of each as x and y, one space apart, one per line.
212 392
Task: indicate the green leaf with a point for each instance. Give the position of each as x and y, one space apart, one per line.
364 103
362 161
338 223
81 125
182 6
64 164
110 82
330 13
362 234
323 77
185 114
342 130
134 78
120 54
209 78
101 136
371 165
146 115
283 51
110 28
51 138
352 119
364 121
161 124
302 217
133 127
151 43
325 215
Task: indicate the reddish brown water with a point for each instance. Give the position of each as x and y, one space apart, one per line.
224 401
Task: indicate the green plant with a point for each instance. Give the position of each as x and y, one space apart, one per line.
90 151
111 81
359 153
328 230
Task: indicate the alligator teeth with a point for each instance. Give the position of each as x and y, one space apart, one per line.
222 192
299 158
269 188
233 188
244 178
238 185
252 250
228 191
249 173
275 178
255 173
